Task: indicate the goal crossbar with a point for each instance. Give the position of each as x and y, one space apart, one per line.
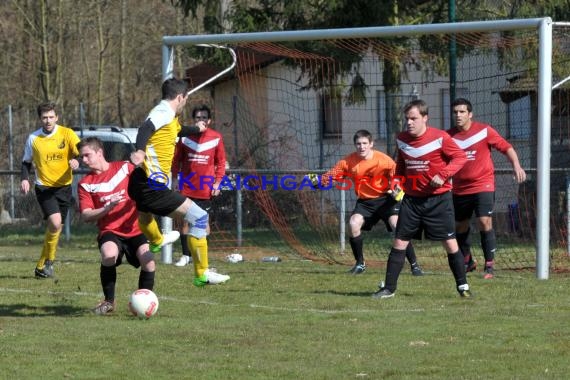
544 28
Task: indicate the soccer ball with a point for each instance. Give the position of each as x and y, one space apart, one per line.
143 303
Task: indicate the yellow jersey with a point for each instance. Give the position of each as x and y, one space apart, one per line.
160 146
50 154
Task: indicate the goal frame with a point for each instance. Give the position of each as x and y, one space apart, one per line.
544 29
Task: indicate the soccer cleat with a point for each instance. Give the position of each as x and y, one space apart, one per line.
40 273
358 269
48 268
383 293
489 273
104 307
46 271
464 291
210 278
417 270
471 266
184 260
167 238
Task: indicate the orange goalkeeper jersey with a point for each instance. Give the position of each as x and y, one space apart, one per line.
370 178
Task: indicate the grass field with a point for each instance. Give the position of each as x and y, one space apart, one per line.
290 320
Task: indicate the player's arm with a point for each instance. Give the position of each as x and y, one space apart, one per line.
188 130
520 174
25 176
498 142
26 167
457 158
88 211
336 174
143 135
74 152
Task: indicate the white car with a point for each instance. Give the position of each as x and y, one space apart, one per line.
118 142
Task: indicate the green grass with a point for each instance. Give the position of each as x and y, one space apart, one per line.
289 320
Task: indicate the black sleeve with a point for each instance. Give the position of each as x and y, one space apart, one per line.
145 131
188 130
26 169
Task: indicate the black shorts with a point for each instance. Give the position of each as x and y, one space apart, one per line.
480 203
432 215
152 197
127 246
205 204
54 200
374 210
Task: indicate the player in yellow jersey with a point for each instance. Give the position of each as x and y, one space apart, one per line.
52 149
149 183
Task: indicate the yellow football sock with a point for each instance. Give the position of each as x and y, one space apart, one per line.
199 251
151 231
49 248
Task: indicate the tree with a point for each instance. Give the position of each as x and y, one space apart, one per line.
272 15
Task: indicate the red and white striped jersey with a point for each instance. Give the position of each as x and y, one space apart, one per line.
95 191
421 158
201 160
478 174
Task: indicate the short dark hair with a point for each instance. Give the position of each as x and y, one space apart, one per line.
94 142
462 102
362 133
46 107
203 107
419 104
173 87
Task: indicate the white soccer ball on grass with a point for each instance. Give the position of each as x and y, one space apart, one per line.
143 303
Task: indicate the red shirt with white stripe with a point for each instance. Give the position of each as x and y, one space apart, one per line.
421 158
96 190
478 174
201 160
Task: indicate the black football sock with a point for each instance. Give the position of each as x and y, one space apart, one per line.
411 254
108 277
489 244
396 260
356 243
146 280
464 242
457 267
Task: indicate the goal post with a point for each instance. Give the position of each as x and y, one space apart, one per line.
376 41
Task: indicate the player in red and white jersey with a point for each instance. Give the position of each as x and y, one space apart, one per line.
474 184
427 159
199 165
103 199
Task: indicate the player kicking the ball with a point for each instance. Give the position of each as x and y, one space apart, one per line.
148 185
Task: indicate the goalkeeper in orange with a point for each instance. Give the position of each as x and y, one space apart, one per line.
369 171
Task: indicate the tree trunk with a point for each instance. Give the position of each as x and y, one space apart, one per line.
45 67
101 43
121 79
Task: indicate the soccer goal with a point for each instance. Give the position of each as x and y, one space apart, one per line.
295 99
